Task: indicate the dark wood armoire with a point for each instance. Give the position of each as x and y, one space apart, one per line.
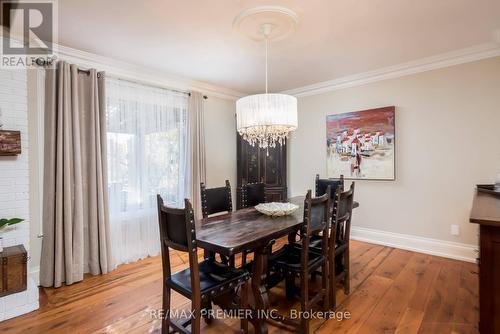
256 165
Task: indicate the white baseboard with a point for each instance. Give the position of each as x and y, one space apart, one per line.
20 303
448 249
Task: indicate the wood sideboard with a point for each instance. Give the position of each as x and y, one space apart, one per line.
486 212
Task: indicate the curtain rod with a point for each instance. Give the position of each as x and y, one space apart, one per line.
44 64
204 96
151 85
154 86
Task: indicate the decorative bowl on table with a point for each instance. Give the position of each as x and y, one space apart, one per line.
276 209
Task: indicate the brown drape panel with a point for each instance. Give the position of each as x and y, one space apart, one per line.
75 214
196 149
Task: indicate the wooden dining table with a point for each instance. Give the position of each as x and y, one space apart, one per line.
249 230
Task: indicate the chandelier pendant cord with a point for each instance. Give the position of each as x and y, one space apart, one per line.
265 120
267 55
267 51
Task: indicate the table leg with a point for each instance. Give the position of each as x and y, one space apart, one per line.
259 290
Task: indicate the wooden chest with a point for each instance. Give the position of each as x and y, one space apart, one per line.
13 270
10 143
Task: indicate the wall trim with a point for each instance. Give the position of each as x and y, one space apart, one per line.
448 249
34 274
142 74
32 291
137 73
452 58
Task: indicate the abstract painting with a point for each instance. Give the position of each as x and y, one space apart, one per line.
361 144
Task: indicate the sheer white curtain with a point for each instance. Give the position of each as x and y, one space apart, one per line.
147 153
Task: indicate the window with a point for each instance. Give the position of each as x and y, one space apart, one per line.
147 151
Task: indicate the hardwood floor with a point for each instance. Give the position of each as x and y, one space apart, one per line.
392 291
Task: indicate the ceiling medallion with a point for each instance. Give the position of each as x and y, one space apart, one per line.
266 119
250 21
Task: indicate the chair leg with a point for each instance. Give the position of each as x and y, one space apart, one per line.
196 318
244 258
347 278
244 306
332 282
207 306
165 323
324 286
304 326
289 287
304 302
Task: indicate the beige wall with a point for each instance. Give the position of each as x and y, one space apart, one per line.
447 140
220 134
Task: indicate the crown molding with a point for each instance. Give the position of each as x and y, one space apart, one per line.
137 73
128 71
457 57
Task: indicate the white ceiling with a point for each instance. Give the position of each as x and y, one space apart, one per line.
334 38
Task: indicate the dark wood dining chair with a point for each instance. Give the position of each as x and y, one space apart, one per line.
338 243
322 184
214 201
320 189
203 282
297 260
253 194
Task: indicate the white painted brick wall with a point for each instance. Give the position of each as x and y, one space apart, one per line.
14 184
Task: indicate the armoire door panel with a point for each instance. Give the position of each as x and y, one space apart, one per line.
255 164
272 166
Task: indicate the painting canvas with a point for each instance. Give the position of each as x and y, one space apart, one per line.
361 144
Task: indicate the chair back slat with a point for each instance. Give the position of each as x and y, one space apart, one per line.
322 184
253 194
342 213
178 231
316 215
215 200
316 221
172 223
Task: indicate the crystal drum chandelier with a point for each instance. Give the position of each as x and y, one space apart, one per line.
266 119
